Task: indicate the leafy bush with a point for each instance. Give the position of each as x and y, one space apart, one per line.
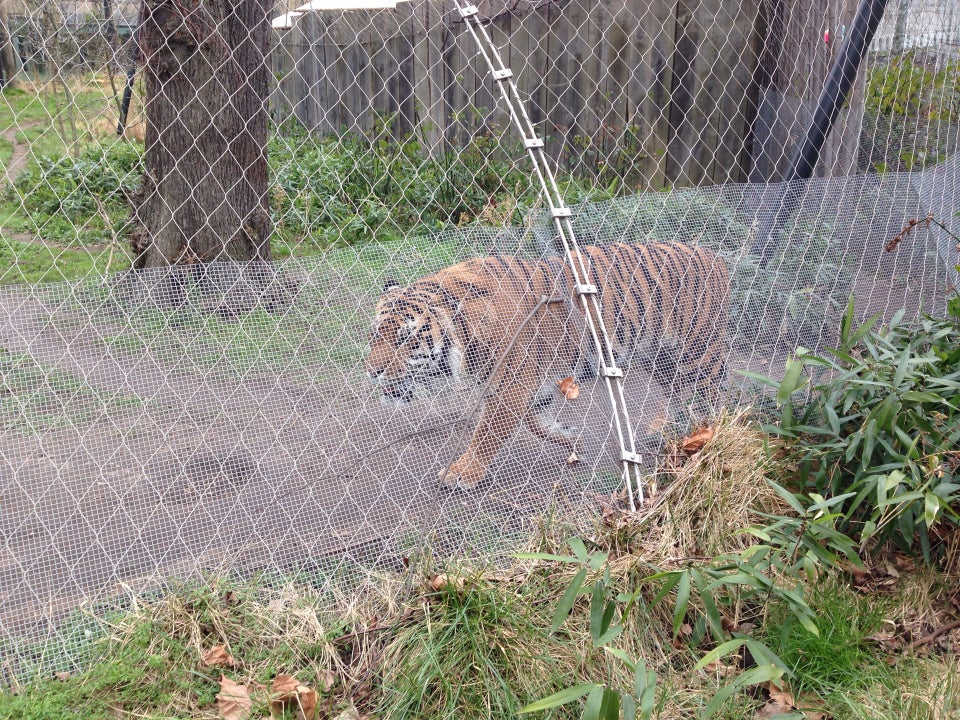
906 86
912 107
705 596
882 426
356 188
791 297
76 187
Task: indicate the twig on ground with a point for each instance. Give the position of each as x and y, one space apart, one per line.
929 638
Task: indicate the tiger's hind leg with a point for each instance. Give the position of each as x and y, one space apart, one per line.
701 374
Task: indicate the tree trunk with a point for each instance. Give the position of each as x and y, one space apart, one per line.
900 26
204 192
8 64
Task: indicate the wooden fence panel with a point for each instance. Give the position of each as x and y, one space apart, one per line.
660 92
737 106
656 40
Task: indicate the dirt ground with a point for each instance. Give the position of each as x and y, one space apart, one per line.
262 472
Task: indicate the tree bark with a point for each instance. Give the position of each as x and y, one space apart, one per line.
900 26
204 192
8 64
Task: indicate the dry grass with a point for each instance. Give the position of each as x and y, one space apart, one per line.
95 105
707 498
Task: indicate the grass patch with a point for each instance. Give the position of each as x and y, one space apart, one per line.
30 263
474 650
842 659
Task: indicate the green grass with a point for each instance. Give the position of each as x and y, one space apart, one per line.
476 650
473 646
32 263
323 330
130 672
35 398
841 661
147 661
37 113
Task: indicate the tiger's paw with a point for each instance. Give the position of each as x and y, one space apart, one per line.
463 475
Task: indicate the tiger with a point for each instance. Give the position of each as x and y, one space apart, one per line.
507 321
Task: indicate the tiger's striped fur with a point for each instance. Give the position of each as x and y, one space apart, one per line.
506 321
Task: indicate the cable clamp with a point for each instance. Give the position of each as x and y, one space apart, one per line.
631 457
469 11
532 143
612 372
584 289
561 212
504 74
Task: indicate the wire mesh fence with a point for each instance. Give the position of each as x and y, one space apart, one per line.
191 309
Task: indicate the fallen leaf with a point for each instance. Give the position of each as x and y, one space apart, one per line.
351 713
695 441
218 655
568 386
573 459
782 702
326 680
771 709
233 700
780 696
361 693
444 581
288 693
904 563
720 669
284 685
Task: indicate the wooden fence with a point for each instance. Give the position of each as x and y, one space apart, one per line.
663 92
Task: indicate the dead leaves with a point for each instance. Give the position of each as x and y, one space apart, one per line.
217 656
233 700
286 698
696 441
569 388
289 694
882 577
444 582
780 701
929 627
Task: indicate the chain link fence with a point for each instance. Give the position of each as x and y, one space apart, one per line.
204 204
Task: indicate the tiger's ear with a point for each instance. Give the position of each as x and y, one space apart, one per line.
392 285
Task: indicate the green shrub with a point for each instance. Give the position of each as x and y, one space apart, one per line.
881 426
329 190
907 87
351 189
355 188
76 187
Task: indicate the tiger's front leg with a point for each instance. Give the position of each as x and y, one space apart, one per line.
502 412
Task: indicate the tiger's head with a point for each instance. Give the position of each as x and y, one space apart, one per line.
413 344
